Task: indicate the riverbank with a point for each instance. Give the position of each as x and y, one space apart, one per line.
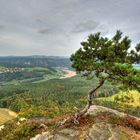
68 74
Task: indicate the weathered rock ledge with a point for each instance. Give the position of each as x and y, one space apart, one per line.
104 125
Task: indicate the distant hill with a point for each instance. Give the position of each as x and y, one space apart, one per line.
35 61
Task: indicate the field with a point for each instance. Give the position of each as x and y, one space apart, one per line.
10 76
129 98
6 115
128 101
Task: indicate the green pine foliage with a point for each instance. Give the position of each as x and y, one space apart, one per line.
109 59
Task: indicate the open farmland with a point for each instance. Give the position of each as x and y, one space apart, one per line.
6 115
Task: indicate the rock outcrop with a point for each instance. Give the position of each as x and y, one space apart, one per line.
106 131
100 127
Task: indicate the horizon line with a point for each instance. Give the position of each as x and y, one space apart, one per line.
33 56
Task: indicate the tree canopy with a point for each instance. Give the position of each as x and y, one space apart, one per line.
109 59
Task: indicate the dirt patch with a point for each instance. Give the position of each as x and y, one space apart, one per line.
11 113
68 74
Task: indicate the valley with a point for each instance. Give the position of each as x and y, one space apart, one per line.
38 90
16 70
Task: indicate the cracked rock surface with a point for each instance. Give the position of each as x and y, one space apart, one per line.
105 131
97 130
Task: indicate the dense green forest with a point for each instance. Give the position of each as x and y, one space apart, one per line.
55 93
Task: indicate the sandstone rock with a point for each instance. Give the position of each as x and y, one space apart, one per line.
98 110
99 130
43 136
105 131
64 134
2 127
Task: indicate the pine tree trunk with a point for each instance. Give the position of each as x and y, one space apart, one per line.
89 99
76 118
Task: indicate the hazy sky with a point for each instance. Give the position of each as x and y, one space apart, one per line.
56 27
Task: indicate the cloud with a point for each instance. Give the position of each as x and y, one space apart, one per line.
18 41
2 27
44 31
85 26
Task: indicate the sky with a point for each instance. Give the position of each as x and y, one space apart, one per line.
56 27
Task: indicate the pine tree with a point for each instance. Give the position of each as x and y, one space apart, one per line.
108 60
